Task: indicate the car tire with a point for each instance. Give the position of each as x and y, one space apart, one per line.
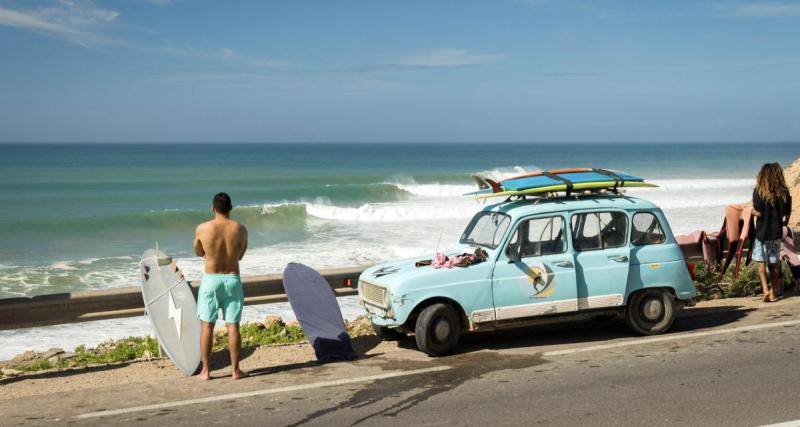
387 334
651 311
437 330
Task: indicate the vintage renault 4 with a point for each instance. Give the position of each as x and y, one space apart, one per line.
547 259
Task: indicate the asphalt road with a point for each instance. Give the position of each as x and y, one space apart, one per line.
723 366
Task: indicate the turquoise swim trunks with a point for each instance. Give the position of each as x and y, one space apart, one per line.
220 291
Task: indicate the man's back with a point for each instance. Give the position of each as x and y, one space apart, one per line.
224 242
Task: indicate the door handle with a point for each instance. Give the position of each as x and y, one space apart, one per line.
621 258
564 264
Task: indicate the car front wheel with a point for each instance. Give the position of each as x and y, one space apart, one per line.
438 329
651 311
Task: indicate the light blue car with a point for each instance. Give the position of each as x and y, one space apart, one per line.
548 259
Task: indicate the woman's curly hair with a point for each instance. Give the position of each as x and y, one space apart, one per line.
770 184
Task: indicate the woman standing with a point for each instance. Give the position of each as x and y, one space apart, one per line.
772 206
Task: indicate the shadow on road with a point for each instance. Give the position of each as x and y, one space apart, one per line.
301 365
65 373
222 358
362 345
415 389
602 328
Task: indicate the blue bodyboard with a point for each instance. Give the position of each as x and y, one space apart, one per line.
315 306
524 183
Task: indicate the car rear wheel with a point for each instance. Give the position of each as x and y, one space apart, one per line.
438 330
650 311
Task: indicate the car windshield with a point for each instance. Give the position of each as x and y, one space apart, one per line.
486 229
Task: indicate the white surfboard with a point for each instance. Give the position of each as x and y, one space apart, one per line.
172 309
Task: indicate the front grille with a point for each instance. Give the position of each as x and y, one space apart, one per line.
373 294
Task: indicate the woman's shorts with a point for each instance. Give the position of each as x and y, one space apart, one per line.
769 251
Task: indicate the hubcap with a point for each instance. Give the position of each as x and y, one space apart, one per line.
441 330
653 309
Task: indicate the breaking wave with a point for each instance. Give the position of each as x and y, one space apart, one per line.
376 212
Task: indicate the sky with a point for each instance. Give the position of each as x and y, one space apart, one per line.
400 71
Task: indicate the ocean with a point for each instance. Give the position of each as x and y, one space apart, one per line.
78 216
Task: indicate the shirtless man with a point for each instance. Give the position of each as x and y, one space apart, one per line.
222 242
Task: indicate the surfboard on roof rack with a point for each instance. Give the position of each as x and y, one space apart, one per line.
560 180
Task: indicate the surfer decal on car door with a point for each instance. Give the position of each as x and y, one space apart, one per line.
535 274
541 280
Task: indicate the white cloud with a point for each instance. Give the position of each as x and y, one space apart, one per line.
445 58
78 22
77 14
81 22
759 10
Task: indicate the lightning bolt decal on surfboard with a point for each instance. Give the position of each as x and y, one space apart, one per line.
175 314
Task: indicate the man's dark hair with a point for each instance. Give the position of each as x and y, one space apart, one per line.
222 203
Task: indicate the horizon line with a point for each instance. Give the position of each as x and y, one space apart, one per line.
398 142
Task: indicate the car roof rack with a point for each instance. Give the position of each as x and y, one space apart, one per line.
610 191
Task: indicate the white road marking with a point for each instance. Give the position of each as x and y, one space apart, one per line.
671 337
794 423
231 396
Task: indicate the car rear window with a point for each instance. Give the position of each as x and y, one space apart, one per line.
646 229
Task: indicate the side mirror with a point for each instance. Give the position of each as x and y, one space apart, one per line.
513 254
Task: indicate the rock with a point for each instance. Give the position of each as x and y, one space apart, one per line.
24 357
293 323
105 347
8 372
53 352
220 333
272 320
146 355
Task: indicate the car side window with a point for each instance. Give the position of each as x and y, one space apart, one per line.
646 229
599 230
540 236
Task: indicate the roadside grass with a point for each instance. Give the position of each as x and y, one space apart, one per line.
255 334
710 285
118 351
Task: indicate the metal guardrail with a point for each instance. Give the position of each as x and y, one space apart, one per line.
73 307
